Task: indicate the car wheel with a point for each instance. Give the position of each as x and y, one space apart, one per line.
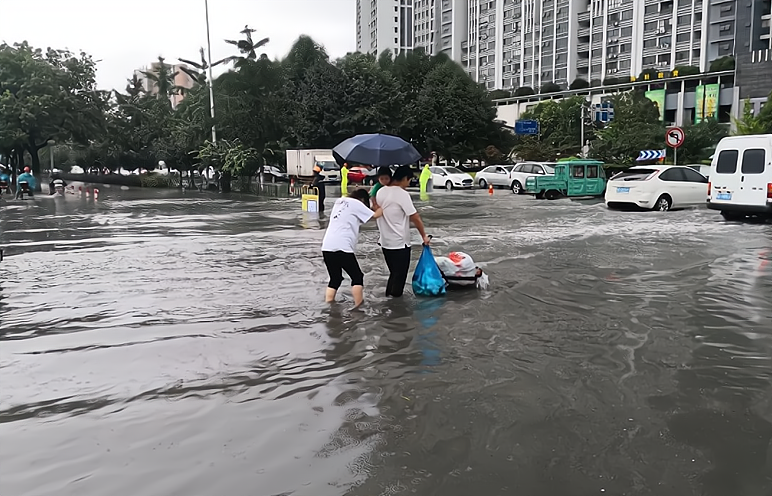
448 185
552 194
483 184
517 188
731 216
663 204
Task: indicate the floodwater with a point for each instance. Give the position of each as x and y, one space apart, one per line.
160 343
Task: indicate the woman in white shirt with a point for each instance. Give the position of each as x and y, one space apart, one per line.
340 242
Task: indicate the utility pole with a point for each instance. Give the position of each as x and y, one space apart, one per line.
581 134
209 79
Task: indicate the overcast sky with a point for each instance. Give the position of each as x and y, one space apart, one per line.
131 34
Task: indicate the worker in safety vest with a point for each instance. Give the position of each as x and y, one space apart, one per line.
318 183
344 181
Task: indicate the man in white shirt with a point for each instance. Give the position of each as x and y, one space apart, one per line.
394 226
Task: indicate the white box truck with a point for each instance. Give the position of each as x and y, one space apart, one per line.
300 164
741 177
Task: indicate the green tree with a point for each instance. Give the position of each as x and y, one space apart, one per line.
162 75
636 126
560 128
247 48
686 70
753 124
524 91
499 94
725 63
198 71
458 117
579 84
549 88
47 95
700 140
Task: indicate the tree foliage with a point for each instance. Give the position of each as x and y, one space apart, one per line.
262 107
725 63
44 96
754 124
636 126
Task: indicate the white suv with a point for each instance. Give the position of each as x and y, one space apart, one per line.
522 172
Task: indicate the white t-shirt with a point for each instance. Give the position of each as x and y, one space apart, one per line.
343 230
395 224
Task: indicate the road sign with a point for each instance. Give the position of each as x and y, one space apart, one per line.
674 137
527 127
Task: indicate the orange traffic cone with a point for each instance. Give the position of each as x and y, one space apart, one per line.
490 189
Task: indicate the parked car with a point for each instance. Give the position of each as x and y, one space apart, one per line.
496 175
741 177
660 187
450 178
414 182
572 178
273 174
521 172
362 175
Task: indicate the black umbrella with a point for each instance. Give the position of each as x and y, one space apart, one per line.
376 150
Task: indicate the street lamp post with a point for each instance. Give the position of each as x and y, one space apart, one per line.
209 56
51 144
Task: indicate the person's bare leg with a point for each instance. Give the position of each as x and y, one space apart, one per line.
359 295
329 295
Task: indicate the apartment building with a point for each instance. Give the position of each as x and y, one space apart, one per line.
506 44
441 26
384 25
753 59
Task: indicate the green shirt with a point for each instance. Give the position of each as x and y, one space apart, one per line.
375 189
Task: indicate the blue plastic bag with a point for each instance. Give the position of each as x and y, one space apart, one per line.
427 278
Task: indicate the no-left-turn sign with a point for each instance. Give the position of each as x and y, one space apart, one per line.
674 137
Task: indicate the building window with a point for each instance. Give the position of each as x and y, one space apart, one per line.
651 9
684 20
627 14
681 56
649 43
649 60
650 26
626 32
683 37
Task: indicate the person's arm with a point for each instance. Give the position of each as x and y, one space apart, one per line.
419 224
378 213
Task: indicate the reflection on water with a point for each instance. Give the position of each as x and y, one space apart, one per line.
156 342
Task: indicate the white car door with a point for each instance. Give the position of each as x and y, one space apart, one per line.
500 177
674 184
697 186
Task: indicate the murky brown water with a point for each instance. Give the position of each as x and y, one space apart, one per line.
156 343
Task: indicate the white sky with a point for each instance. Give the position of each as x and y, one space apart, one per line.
130 34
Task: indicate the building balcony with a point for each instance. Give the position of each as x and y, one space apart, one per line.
583 16
583 63
583 32
583 47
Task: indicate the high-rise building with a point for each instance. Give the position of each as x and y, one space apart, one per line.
384 25
753 45
506 44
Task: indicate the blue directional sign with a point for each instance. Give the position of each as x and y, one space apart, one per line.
527 127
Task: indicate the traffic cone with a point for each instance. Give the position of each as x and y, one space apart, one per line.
88 192
80 190
96 194
490 189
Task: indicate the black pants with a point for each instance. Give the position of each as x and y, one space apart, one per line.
322 196
339 261
398 262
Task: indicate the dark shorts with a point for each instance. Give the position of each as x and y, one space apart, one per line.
338 262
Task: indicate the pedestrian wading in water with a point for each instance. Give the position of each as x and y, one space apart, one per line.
394 226
340 242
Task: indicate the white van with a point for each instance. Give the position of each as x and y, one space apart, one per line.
741 177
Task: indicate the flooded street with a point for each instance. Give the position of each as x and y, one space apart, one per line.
161 343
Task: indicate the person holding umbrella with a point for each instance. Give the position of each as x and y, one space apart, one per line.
394 226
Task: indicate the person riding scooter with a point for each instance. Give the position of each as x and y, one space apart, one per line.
25 184
5 180
57 185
